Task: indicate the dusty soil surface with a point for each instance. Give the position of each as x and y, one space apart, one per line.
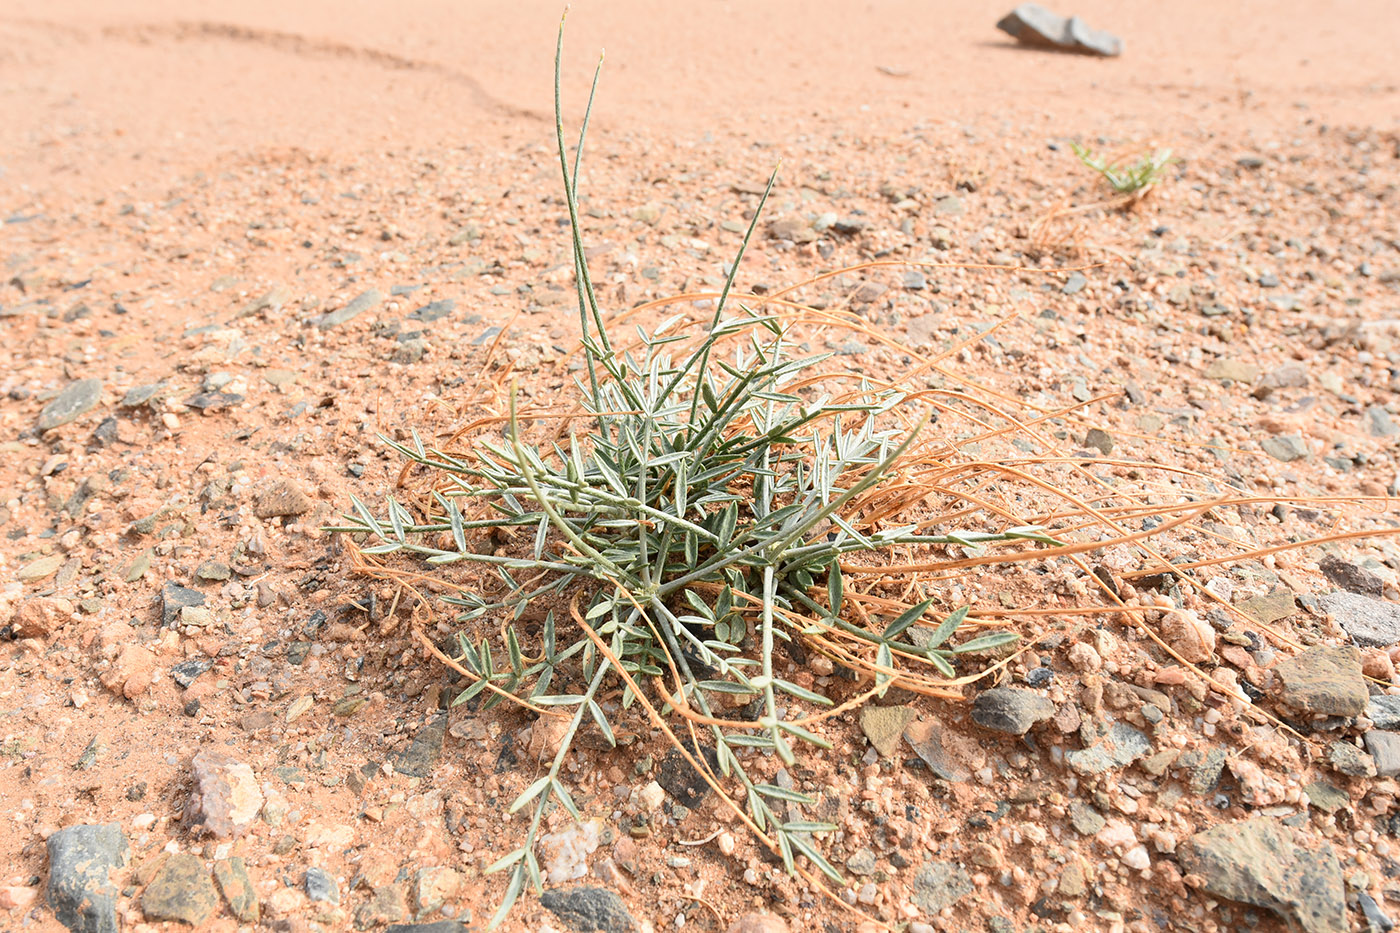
238 245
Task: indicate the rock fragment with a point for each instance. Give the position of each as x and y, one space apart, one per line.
357 306
1258 862
77 399
1121 747
231 875
80 890
589 909
226 798
279 500
883 726
1325 680
1033 25
1013 710
181 891
1372 623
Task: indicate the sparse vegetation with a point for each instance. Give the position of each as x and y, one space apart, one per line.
700 521
1135 177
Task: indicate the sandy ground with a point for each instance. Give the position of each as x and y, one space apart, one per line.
188 189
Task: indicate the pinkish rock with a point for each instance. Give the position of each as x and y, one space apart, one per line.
17 897
226 798
41 616
132 673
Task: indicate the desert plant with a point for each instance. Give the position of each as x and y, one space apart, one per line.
1134 178
701 519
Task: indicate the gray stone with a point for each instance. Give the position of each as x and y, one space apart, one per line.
181 890
1372 623
1257 862
214 401
914 280
1375 917
1074 284
1272 606
1012 710
80 890
939 885
1121 747
1033 25
1326 797
237 888
434 311
1385 749
1346 758
137 396
1384 711
76 399
1286 448
360 304
927 739
419 759
1085 819
589 909
1379 422
1100 440
1354 579
215 570
1324 680
437 926
320 886
861 862
174 599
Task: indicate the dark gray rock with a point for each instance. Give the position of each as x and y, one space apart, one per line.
1258 862
175 597
181 890
76 399
1353 578
435 311
360 304
214 401
589 909
320 886
81 891
1385 749
1012 710
187 672
1372 623
680 779
1324 680
1376 917
419 759
939 885
1031 24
